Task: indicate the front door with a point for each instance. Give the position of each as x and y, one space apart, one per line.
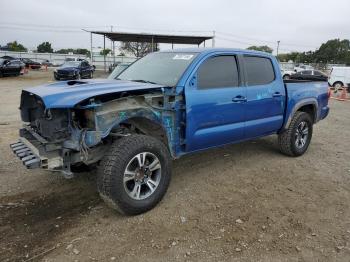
215 101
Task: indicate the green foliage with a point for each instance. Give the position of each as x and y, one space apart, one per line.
78 51
138 49
333 51
16 47
263 48
105 51
44 47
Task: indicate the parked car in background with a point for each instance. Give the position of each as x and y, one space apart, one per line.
30 63
339 77
302 67
46 63
164 106
74 70
118 70
313 75
10 67
112 66
73 59
286 74
7 57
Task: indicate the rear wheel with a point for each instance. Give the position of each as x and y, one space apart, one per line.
134 175
296 139
337 86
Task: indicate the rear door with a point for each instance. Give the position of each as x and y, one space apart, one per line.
215 99
265 96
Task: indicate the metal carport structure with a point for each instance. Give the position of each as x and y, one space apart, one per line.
149 38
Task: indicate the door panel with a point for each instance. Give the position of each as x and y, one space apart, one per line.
265 97
215 115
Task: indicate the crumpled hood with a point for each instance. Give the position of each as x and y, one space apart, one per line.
67 94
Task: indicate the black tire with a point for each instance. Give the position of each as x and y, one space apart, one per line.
337 85
111 170
287 139
286 77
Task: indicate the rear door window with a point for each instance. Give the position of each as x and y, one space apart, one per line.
219 71
259 70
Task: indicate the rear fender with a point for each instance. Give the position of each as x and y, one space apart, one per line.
298 106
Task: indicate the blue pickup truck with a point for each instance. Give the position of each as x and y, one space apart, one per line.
160 108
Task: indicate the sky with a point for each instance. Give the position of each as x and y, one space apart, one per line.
298 25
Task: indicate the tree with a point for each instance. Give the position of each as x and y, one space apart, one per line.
333 51
78 51
44 47
336 50
16 47
105 51
65 51
263 48
138 49
82 51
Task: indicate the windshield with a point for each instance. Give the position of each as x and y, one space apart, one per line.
71 64
116 72
160 68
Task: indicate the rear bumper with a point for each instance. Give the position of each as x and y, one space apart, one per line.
324 112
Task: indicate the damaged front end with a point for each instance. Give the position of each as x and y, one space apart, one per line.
57 139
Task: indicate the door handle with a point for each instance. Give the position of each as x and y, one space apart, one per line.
277 94
239 99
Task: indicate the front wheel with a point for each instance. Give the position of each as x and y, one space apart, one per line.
134 174
296 139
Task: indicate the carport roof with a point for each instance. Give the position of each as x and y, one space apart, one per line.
156 38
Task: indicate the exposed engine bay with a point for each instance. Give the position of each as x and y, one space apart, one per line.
65 137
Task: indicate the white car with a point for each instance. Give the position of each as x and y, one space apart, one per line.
286 74
302 67
339 77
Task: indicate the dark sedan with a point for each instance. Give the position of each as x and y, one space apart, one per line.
10 67
30 63
74 70
313 75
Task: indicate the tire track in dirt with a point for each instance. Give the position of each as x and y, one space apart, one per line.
30 223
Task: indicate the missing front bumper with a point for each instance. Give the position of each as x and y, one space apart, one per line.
28 154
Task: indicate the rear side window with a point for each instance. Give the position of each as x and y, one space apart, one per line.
306 72
259 70
219 71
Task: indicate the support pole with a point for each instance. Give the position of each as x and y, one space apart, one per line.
172 45
104 52
152 43
113 52
204 43
213 40
278 46
91 56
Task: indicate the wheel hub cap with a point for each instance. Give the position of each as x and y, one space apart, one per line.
301 134
142 175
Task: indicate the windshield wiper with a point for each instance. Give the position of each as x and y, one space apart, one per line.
143 81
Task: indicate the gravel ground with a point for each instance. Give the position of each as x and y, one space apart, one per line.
243 202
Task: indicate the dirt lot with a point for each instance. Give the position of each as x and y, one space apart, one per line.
244 202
